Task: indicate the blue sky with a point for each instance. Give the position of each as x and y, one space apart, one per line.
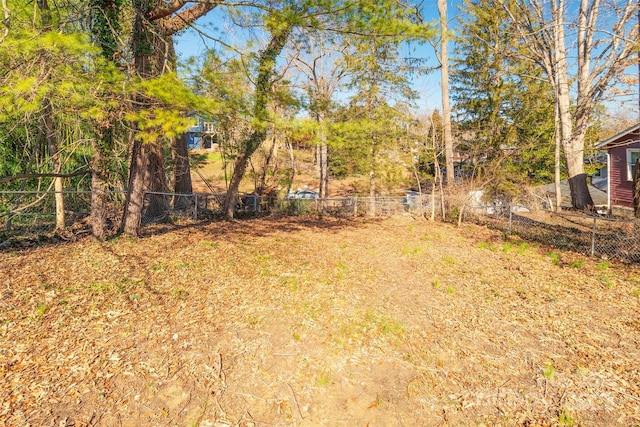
194 42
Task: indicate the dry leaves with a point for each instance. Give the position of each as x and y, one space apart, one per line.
305 322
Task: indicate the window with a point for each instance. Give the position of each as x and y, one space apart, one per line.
632 157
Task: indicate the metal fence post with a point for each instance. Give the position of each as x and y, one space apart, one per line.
510 218
593 238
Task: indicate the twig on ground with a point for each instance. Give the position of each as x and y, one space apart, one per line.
295 399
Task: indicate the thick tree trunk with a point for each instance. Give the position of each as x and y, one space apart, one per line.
156 200
580 195
153 51
99 193
182 172
132 218
572 139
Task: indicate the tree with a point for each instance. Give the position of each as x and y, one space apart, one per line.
605 36
504 105
48 93
324 70
443 58
155 23
106 17
264 81
389 20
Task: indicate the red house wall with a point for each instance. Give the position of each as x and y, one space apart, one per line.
621 189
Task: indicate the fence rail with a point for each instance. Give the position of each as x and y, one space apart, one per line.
24 213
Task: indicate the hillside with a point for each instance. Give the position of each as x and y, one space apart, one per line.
208 172
299 322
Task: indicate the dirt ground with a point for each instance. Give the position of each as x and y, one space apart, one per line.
308 322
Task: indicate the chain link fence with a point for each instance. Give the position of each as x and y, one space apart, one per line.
596 236
28 213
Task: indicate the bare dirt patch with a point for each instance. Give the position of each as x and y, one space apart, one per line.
306 322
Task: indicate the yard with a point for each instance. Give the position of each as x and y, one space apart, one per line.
299 321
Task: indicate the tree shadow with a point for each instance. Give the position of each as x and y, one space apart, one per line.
575 233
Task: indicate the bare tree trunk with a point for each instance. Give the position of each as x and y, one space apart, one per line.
556 164
99 193
181 171
446 109
324 168
293 166
54 152
146 174
231 200
261 186
372 180
49 131
156 207
132 218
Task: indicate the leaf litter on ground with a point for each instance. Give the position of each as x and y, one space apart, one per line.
301 321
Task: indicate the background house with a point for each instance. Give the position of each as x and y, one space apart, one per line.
203 135
623 150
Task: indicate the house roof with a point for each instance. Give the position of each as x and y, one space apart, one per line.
607 142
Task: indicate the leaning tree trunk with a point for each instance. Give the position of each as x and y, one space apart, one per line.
264 81
231 200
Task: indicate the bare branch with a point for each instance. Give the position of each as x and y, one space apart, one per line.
44 175
186 17
7 25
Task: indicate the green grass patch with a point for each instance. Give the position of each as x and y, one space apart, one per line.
408 250
577 264
449 260
606 280
548 371
555 258
486 245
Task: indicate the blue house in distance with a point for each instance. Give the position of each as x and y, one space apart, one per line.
202 136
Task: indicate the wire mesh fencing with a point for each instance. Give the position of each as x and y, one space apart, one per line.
25 213
592 235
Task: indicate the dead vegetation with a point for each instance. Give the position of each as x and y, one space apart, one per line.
303 322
